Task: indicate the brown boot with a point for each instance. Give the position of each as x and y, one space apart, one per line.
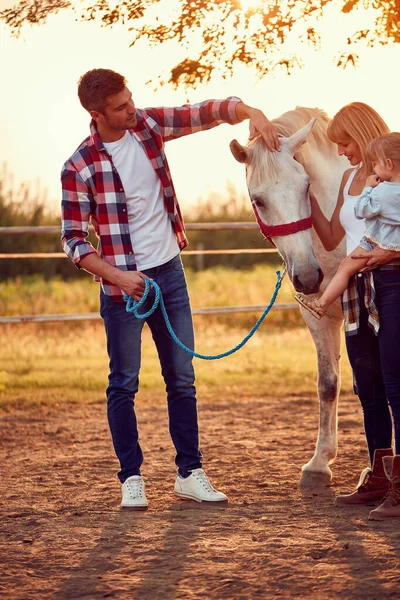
390 507
373 484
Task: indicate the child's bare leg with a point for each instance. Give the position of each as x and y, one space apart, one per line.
348 267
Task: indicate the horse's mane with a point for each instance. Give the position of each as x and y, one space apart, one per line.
287 124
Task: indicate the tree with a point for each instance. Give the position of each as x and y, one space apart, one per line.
216 35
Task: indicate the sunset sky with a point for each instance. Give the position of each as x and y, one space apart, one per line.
42 122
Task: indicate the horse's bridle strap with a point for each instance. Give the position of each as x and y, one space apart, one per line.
285 229
270 231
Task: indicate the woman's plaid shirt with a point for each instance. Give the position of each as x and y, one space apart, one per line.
351 300
92 191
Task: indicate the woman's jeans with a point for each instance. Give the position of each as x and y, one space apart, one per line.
124 332
375 361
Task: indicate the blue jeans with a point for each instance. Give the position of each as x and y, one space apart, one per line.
375 361
124 332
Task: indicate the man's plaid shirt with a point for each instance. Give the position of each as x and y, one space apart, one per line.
92 190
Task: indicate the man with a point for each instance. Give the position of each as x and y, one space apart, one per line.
119 180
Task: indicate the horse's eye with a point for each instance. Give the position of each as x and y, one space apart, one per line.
257 202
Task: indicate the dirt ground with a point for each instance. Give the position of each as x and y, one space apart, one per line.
63 535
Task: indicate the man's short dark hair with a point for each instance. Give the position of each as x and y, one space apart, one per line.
95 86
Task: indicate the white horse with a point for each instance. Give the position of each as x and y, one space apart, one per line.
278 184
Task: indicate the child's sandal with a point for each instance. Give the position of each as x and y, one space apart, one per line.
313 305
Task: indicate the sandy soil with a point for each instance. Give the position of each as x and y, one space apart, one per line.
63 535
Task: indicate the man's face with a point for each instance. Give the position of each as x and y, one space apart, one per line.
119 112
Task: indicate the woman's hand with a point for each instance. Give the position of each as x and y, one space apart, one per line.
378 256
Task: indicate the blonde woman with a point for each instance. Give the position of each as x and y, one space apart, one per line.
379 205
371 305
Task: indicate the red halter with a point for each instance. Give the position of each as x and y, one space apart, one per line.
270 231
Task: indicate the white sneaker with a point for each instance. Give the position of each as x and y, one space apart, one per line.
197 487
133 495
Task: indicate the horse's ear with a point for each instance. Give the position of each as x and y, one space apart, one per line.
294 142
239 152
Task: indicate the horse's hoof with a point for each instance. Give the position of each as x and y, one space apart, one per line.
315 479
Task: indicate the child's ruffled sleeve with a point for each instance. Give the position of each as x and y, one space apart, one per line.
368 205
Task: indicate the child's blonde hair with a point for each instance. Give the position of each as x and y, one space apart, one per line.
359 122
385 146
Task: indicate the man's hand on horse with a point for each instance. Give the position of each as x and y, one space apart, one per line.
259 125
377 256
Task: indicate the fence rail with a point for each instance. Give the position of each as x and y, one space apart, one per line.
96 316
185 253
55 230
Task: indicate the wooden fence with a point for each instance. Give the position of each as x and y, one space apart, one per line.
54 230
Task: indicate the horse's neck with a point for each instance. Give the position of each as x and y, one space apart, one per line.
325 177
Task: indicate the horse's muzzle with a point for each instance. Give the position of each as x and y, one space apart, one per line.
308 283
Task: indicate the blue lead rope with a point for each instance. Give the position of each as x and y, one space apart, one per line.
132 306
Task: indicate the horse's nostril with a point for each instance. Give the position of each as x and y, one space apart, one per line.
307 284
297 283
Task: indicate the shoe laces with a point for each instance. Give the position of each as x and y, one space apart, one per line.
394 492
135 488
369 479
202 478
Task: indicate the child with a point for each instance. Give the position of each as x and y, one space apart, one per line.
379 205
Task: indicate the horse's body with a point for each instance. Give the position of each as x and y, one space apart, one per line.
278 186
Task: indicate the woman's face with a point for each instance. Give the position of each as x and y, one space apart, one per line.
351 150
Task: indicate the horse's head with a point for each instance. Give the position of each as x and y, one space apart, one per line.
278 187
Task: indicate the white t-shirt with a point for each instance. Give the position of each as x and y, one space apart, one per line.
153 238
353 227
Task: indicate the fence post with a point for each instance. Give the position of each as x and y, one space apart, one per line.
200 257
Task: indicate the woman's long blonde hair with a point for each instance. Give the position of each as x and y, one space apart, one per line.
359 122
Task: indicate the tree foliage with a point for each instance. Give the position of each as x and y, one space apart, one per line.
216 35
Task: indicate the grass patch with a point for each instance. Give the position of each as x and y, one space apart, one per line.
50 364
53 363
215 287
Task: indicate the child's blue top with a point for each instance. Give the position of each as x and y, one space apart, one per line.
380 207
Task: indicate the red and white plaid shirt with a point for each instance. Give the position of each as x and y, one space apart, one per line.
92 190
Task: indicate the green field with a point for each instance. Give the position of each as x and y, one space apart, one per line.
218 286
52 363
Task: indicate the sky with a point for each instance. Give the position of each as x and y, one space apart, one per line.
42 122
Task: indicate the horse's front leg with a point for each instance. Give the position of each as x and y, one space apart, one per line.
326 336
